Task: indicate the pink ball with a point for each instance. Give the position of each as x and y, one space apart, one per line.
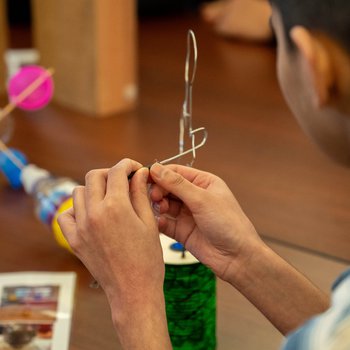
40 97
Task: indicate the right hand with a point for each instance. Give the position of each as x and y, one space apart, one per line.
197 209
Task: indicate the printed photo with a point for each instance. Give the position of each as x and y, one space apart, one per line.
27 316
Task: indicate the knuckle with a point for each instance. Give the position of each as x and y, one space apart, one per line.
123 162
91 174
176 179
61 218
112 170
110 206
128 160
77 189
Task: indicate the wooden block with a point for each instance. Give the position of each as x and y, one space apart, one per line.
3 45
91 44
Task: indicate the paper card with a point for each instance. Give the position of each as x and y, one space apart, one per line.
36 310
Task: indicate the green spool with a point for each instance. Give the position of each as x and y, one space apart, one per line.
190 298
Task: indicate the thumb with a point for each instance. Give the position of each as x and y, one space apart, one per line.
176 184
67 223
139 195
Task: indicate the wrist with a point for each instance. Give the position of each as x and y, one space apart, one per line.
249 264
133 300
243 247
279 291
140 320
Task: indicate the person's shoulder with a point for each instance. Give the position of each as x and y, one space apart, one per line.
329 330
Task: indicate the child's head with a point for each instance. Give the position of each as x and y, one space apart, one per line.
314 68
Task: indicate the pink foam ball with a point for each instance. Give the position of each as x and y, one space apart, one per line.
40 97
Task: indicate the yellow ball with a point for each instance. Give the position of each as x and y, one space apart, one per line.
61 240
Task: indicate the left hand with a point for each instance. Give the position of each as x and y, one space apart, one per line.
112 230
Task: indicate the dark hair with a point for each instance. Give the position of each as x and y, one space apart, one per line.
331 17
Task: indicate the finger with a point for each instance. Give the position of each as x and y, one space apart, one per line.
174 208
157 193
190 174
139 196
95 185
167 226
67 223
161 199
175 183
160 207
79 204
117 180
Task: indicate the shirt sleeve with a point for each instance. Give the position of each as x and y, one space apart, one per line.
329 330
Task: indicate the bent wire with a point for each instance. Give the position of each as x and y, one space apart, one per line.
186 118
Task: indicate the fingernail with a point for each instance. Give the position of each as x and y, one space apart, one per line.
145 172
156 207
157 170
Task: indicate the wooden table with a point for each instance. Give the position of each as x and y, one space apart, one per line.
298 200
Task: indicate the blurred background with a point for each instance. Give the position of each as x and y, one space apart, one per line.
119 89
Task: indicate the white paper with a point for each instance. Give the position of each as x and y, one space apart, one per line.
40 302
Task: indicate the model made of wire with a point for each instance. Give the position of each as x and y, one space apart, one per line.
186 118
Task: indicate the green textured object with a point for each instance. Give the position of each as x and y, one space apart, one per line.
190 297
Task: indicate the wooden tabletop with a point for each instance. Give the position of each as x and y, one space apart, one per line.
296 197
